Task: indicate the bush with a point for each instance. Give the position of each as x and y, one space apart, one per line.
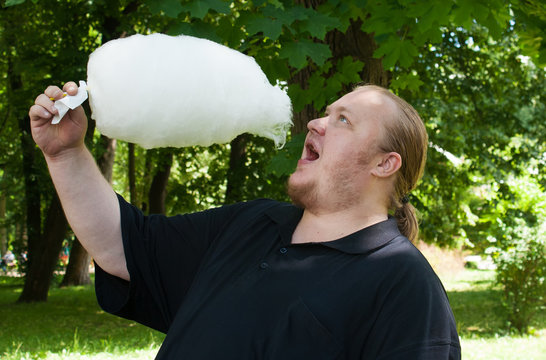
521 271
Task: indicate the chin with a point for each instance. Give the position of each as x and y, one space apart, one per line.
302 194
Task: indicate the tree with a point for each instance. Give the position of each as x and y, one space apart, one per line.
317 50
34 59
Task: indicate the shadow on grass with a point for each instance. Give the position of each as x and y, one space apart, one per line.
480 313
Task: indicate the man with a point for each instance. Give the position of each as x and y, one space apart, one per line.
334 277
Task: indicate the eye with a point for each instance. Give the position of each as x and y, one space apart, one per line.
343 119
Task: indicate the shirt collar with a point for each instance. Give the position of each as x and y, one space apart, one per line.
360 242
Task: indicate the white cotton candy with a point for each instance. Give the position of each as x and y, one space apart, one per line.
159 90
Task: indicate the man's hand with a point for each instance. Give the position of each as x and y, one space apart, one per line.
55 140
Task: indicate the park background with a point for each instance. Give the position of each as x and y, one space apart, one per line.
475 71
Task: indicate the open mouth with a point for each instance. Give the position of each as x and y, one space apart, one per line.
311 153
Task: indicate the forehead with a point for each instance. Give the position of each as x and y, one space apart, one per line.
366 103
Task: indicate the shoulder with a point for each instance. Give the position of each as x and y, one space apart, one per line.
414 313
403 256
407 273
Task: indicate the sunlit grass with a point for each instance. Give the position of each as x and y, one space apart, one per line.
481 320
70 325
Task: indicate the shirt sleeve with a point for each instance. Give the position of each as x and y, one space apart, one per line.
415 320
163 255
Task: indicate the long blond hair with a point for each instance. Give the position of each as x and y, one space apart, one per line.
406 135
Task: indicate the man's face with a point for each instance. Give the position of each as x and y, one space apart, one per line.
340 151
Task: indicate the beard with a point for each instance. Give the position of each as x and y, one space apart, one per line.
336 189
302 195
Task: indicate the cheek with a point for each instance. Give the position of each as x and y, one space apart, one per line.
340 153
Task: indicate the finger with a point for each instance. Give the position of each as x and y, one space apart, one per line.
38 112
46 102
53 92
71 88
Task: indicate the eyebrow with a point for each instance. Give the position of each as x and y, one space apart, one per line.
340 109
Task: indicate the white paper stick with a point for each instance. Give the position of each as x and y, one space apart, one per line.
70 102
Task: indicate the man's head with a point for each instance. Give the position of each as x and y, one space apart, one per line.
368 150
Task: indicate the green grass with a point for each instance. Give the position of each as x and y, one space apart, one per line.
69 326
72 326
481 320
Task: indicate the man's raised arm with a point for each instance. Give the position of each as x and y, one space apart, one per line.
90 204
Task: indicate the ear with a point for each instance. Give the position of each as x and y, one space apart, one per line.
387 164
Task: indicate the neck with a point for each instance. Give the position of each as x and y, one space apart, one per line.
317 226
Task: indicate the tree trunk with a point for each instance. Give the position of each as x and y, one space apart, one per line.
132 174
3 230
354 42
45 254
105 157
158 188
43 247
361 46
146 181
32 290
236 171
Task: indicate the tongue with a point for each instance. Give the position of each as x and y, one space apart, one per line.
312 155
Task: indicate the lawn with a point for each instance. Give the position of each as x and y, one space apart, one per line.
69 326
72 326
481 324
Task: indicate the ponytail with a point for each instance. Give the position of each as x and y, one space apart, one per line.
406 218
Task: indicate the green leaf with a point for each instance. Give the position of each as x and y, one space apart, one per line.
220 6
344 12
274 68
408 53
298 97
462 13
231 34
316 91
171 8
297 52
437 15
276 3
493 25
416 10
196 28
285 161
289 15
296 58
197 9
350 69
319 24
13 2
385 18
271 20
410 81
390 51
200 8
272 28
181 28
318 52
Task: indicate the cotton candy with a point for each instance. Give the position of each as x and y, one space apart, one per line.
159 90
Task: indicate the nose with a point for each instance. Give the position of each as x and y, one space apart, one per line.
318 126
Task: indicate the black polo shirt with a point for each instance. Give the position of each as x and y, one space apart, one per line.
227 284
